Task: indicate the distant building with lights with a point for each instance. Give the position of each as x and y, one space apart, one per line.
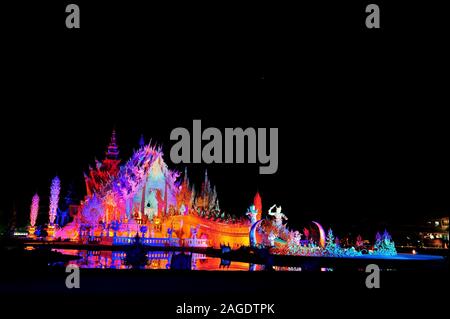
436 235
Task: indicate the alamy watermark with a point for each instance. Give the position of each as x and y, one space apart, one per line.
257 149
373 280
373 18
73 279
73 17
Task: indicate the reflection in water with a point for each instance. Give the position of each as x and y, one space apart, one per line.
156 260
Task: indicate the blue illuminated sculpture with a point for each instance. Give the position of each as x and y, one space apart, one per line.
384 245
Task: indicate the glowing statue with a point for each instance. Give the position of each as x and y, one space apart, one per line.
252 213
279 216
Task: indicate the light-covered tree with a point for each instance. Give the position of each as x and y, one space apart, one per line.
55 190
384 245
330 243
34 210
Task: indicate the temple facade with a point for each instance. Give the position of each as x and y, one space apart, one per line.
143 196
142 200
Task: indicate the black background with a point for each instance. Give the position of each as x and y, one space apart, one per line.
362 136
363 129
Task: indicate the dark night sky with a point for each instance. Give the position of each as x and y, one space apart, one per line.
360 137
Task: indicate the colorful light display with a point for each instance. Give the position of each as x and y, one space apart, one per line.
121 199
143 197
55 189
34 210
321 233
384 245
257 202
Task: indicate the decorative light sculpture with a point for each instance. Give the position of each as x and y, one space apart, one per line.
258 205
330 244
55 189
321 233
33 214
384 245
34 210
143 194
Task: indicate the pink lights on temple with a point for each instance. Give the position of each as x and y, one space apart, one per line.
143 197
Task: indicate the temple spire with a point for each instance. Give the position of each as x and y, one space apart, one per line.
113 149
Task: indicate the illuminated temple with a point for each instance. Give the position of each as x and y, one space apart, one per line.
144 197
